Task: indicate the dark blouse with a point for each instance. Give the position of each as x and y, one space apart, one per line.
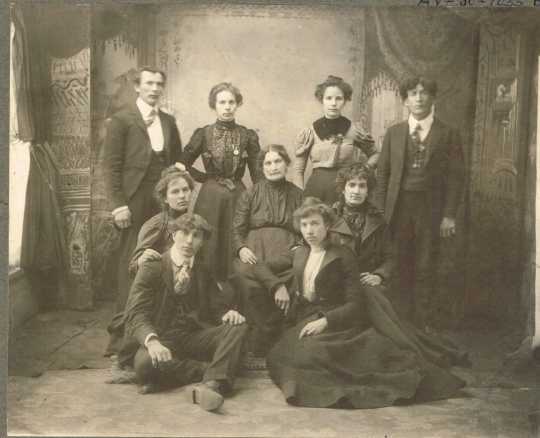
366 233
225 148
154 234
265 204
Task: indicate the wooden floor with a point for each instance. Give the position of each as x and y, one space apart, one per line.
68 395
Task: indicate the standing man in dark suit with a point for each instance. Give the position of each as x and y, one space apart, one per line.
140 142
419 185
180 327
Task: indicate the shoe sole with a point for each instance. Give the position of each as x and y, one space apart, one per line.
206 398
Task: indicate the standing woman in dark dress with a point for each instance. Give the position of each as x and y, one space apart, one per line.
226 148
331 142
331 355
263 229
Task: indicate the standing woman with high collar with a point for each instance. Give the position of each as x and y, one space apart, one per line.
226 148
331 142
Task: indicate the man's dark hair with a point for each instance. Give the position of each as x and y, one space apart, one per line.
410 84
190 222
148 68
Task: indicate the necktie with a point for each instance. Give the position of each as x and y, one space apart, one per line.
420 153
182 279
150 118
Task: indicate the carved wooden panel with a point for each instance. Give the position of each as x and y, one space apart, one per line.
497 172
70 142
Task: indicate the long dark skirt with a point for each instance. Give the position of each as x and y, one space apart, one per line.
362 367
322 185
216 204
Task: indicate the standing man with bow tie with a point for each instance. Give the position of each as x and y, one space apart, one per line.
140 142
420 181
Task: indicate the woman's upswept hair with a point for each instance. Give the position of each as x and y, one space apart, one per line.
356 170
278 149
411 83
334 81
224 86
311 206
167 175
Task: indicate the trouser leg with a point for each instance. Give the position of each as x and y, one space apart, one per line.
424 287
221 346
177 372
263 316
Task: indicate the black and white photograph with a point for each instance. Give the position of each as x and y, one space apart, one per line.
270 218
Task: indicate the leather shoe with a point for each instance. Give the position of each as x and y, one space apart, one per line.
207 397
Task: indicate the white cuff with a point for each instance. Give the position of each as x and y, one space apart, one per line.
148 337
119 210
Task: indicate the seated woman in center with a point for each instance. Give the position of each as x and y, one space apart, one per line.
263 229
331 355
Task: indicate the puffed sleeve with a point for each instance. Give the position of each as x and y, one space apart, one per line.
304 142
253 148
364 141
191 152
150 234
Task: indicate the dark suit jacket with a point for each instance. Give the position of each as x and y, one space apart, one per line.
339 296
128 151
445 168
152 306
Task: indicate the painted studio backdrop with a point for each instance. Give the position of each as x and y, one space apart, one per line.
276 55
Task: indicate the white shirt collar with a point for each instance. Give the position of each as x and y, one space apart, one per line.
425 123
178 259
144 108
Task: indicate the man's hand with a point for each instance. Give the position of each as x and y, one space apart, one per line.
314 327
282 298
122 219
148 255
247 256
370 279
448 227
158 352
233 317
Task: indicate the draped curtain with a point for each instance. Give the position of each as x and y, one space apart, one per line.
43 250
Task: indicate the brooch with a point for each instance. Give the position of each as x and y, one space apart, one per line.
236 151
337 139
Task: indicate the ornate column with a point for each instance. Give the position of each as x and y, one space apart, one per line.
70 141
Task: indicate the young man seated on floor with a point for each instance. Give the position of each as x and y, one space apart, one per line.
180 327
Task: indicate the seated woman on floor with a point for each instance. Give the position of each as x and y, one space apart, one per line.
361 227
263 229
331 355
173 193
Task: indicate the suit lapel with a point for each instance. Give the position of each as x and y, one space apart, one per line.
166 128
401 136
300 260
373 221
299 264
167 272
138 120
433 139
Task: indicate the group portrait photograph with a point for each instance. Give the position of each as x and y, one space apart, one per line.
271 218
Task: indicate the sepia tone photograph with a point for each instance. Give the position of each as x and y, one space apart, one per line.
273 218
